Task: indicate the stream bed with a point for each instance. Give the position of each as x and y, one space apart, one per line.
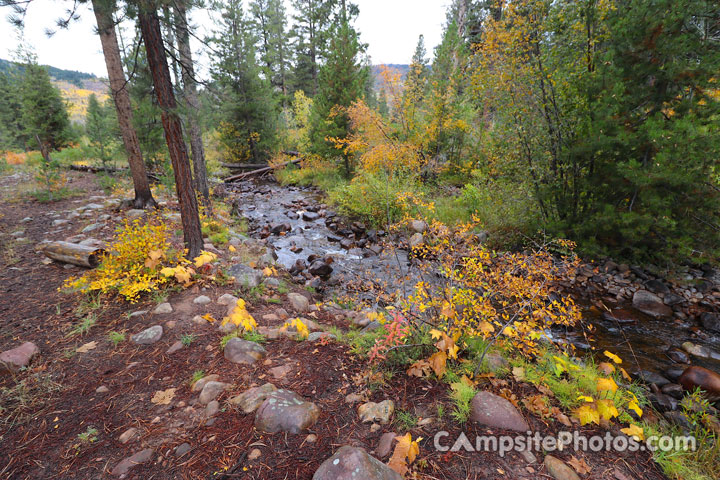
303 230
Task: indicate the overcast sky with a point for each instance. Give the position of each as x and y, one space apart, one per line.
390 27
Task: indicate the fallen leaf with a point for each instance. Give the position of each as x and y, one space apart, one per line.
606 368
580 465
163 397
87 347
612 357
518 373
634 431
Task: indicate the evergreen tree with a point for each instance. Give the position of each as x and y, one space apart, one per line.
44 114
248 109
101 129
342 80
269 25
11 130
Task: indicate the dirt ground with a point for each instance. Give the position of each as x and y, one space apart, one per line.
47 408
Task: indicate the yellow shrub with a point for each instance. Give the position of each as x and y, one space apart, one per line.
133 264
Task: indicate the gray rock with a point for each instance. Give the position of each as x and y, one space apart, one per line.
559 470
674 390
318 335
710 321
57 223
126 464
175 347
320 269
354 463
139 313
494 411
92 227
148 336
696 350
11 361
245 276
651 304
211 390
200 384
202 300
238 350
163 308
127 435
385 444
212 409
416 240
102 389
227 299
310 216
285 411
678 356
651 377
376 412
299 302
182 449
134 213
418 226
657 286
496 362
251 399
671 299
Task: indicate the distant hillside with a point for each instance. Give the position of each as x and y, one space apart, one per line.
76 87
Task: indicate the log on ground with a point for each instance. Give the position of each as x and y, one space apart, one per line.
73 253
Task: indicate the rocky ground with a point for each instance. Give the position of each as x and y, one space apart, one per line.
169 402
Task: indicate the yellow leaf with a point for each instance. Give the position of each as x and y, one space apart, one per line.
606 368
585 398
203 258
635 408
438 362
407 448
209 318
168 271
606 385
518 373
634 431
156 254
625 375
587 414
87 347
613 357
435 333
232 249
163 397
606 409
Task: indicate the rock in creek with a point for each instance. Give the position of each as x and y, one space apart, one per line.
651 304
707 380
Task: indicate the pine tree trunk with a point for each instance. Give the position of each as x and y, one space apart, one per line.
192 101
106 28
152 37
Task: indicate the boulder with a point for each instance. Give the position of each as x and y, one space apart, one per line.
251 399
238 350
163 308
11 361
418 226
651 377
320 269
694 377
494 411
416 240
354 463
202 300
651 304
285 411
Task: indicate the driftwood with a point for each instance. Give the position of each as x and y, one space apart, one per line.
74 253
259 171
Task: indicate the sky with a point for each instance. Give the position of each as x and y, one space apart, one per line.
390 27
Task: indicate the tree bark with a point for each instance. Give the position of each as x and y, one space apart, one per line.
157 61
106 29
192 101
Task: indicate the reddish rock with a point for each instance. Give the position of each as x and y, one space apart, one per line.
494 411
354 463
13 360
126 464
707 380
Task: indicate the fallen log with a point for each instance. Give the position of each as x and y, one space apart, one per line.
93 169
243 166
74 253
259 171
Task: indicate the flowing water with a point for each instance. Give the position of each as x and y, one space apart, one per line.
639 339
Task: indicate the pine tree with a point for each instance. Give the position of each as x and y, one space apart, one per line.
248 108
313 24
269 26
44 114
11 132
100 128
342 80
